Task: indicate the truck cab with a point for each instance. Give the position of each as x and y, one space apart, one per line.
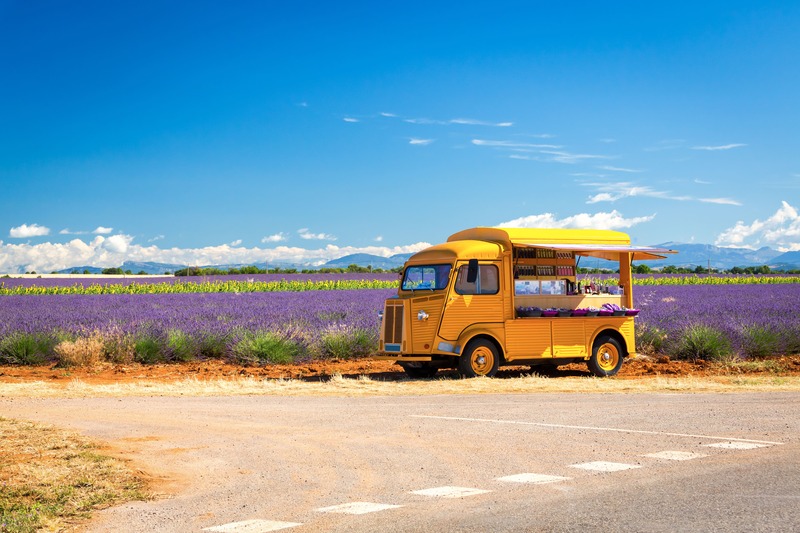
511 296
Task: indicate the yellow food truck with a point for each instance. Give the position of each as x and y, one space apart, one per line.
511 296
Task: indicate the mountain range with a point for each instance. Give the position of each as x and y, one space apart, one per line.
689 255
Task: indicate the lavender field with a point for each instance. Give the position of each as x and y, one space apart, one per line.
746 320
124 281
247 327
694 321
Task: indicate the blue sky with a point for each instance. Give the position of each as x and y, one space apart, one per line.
225 132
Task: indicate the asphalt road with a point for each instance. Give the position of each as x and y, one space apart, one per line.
522 462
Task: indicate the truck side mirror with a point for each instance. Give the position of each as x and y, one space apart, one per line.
472 271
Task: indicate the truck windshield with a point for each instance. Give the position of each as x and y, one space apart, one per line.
426 277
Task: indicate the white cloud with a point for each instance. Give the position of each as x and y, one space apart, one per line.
350 119
277 237
716 148
99 230
588 175
514 144
781 231
459 121
237 242
116 244
113 251
390 115
613 191
379 238
24 231
541 135
544 152
722 201
472 122
306 234
612 220
560 156
157 238
618 169
602 197
421 142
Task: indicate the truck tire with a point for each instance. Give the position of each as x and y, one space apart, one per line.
419 370
480 358
606 359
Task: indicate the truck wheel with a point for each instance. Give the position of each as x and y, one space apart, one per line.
419 370
606 359
480 358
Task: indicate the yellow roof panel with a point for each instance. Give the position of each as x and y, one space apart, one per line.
605 244
512 236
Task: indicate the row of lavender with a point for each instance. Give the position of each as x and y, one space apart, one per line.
687 321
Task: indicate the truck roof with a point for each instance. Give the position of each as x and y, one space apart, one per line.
450 251
605 244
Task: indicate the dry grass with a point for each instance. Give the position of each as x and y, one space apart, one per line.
50 478
366 386
85 352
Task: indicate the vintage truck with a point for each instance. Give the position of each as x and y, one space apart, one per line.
512 296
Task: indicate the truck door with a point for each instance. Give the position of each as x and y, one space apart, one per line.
472 302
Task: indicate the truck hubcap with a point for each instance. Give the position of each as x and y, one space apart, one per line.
482 361
608 357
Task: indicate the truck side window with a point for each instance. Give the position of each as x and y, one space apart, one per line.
487 282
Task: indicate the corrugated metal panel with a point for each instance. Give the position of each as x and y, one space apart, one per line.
627 330
462 311
528 338
423 331
569 337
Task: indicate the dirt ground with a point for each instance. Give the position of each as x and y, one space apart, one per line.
378 370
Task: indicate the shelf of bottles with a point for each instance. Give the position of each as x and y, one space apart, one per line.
543 263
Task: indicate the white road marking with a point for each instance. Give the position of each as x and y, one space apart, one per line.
675 456
533 478
357 508
736 445
605 466
449 492
592 428
252 526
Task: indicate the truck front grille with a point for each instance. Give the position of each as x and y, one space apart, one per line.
393 324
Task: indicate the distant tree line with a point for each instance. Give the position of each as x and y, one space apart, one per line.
699 269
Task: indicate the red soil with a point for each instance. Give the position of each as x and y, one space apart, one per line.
320 370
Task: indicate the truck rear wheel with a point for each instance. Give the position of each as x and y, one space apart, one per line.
606 359
480 358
